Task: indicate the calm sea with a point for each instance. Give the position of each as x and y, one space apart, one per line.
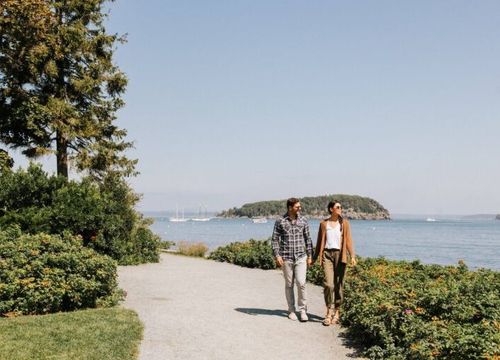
444 241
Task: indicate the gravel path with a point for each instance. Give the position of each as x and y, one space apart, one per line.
199 309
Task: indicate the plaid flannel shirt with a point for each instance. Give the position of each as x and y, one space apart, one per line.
291 238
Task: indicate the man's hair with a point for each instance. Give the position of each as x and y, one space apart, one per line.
291 202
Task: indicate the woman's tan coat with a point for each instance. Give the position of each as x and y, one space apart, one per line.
345 247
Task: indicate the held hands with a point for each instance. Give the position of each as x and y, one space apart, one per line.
309 261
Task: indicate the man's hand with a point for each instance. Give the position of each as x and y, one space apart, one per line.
309 261
279 261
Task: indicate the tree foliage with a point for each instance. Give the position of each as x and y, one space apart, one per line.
101 213
59 88
6 162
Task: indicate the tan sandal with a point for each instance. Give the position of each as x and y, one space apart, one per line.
328 318
336 317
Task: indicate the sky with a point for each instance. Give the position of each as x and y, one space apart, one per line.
232 102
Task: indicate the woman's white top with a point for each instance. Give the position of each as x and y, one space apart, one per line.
333 235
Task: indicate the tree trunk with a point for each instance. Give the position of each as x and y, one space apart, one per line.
62 155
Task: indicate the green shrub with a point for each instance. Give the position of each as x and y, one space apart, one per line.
166 244
315 274
102 213
192 249
406 310
251 253
48 273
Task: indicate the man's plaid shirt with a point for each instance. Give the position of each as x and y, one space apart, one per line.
291 238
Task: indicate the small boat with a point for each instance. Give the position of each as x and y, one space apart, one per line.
430 219
177 218
261 220
201 217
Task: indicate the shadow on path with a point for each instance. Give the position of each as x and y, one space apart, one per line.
281 313
355 345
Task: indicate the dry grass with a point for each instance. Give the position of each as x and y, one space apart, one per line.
192 249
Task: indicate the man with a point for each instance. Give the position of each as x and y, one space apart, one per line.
292 248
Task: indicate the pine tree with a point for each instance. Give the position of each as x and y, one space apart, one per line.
59 87
6 162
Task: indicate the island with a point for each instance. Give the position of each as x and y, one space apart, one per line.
354 207
497 217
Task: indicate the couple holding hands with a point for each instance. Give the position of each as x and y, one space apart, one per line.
293 252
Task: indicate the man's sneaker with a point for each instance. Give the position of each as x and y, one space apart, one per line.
292 316
303 316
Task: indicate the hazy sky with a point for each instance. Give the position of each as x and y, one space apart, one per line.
240 101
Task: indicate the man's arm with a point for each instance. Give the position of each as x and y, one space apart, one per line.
275 243
309 245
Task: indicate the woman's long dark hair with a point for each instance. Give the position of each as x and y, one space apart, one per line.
332 204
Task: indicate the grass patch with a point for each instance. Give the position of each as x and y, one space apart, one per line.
192 249
112 333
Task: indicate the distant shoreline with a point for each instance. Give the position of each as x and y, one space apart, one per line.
314 217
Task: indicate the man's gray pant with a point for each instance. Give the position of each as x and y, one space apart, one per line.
295 272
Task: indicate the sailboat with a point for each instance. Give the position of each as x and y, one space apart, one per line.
200 217
177 218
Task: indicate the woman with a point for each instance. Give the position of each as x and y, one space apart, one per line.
334 243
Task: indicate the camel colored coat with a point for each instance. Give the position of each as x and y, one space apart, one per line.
345 247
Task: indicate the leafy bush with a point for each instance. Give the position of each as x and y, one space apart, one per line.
252 254
192 249
43 273
166 244
404 310
102 213
315 274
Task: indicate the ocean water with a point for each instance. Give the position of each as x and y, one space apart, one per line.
444 241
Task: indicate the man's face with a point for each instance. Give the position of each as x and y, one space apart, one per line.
294 210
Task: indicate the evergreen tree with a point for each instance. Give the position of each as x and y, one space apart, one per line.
59 88
6 162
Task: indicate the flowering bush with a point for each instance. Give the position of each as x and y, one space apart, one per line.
48 273
406 310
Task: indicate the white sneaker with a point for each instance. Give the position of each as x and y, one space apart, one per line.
292 316
303 316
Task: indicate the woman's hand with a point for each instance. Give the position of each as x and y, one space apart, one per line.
353 261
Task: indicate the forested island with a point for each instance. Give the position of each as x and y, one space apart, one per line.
354 207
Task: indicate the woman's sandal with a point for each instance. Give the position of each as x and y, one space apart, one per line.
336 318
328 318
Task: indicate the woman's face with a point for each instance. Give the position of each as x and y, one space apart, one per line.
336 209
